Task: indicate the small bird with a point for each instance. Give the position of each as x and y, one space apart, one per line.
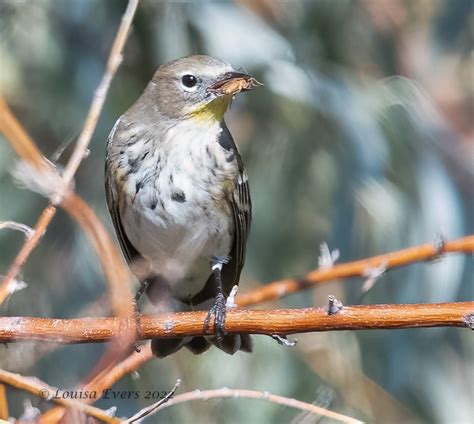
178 195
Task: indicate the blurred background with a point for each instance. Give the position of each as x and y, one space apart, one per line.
361 137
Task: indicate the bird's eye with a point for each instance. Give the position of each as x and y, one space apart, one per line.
189 81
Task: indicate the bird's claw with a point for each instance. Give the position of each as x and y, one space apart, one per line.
137 315
218 309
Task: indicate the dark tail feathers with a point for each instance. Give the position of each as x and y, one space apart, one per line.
197 345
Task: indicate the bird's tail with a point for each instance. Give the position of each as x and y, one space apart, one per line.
197 345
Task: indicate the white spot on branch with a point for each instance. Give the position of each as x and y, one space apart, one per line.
327 258
30 413
284 341
373 274
230 302
169 325
46 181
111 411
334 305
15 285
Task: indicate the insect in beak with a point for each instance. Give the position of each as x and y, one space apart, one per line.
232 83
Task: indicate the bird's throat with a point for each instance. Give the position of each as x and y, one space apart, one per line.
212 111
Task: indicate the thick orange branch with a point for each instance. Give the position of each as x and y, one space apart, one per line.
283 321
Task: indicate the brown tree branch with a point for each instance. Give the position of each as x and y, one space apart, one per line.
38 388
358 268
269 322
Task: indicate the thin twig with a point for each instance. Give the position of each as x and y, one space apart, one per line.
47 392
114 61
150 410
425 252
24 253
25 229
253 394
269 322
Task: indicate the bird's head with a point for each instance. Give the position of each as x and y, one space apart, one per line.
197 87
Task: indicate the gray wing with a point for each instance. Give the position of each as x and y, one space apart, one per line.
242 213
113 201
241 207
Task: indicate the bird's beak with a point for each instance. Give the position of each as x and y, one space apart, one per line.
232 83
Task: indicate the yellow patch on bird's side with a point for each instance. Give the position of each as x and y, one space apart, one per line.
213 110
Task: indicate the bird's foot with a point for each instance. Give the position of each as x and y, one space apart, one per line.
137 314
143 286
218 310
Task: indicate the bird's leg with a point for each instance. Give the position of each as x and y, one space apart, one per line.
218 308
136 299
143 286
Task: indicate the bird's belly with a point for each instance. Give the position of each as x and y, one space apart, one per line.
178 240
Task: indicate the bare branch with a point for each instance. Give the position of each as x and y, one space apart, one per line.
269 322
150 410
253 394
359 268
